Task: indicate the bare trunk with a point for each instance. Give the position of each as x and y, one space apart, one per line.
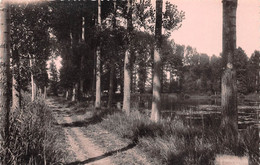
40 92
127 83
45 92
15 94
81 81
111 85
156 105
16 98
98 81
112 66
73 98
67 95
4 77
98 64
127 62
33 91
81 88
229 122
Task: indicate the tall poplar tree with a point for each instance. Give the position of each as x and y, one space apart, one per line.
127 62
156 104
229 86
112 65
98 62
4 75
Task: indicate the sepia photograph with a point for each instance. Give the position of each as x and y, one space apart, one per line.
130 82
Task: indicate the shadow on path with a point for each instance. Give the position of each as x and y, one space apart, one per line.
96 118
130 146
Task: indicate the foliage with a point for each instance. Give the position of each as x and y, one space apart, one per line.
253 68
241 63
33 139
30 40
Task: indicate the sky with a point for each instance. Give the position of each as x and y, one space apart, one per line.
202 27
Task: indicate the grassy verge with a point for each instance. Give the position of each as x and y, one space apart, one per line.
33 138
171 141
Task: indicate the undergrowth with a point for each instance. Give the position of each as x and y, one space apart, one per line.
173 142
32 138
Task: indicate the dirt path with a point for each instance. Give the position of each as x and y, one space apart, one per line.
90 144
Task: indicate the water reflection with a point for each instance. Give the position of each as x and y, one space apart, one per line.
202 112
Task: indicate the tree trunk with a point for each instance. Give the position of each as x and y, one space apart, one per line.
98 63
16 91
67 95
127 62
32 81
81 89
111 85
40 92
156 105
81 81
45 92
112 66
15 94
229 122
4 77
73 98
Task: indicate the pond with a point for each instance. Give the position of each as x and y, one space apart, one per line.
201 111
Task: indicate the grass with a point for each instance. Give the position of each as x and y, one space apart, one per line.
172 141
175 143
33 139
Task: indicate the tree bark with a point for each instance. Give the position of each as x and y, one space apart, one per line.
229 124
81 81
98 63
127 61
16 91
73 98
127 83
45 92
33 90
15 94
112 66
111 84
4 77
67 95
156 105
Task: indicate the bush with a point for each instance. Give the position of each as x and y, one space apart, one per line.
32 137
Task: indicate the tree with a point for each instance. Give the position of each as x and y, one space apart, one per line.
98 63
112 65
229 123
156 104
53 78
30 46
127 62
170 20
16 89
216 72
4 76
253 72
240 63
